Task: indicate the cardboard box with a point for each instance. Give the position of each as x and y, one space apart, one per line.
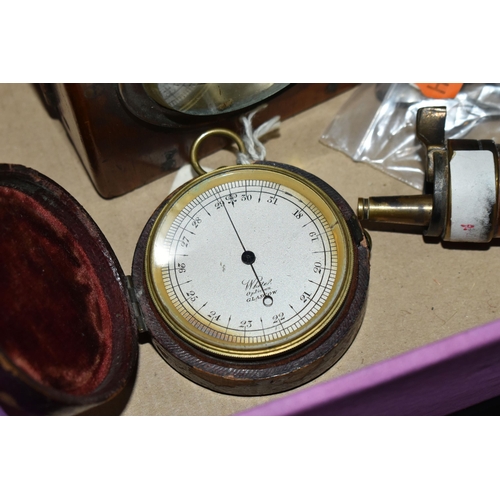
407 357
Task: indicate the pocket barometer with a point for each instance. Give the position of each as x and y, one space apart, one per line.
252 278
249 280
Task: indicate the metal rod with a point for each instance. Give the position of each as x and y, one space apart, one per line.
411 210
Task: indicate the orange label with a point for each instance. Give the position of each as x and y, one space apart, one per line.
440 90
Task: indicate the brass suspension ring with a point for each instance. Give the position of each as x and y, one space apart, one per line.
216 131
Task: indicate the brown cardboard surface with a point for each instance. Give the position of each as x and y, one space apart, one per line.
419 292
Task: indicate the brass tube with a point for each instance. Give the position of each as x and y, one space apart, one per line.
411 210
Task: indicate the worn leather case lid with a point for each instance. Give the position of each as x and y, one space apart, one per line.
67 338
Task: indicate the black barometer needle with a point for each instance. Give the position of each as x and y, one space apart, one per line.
248 257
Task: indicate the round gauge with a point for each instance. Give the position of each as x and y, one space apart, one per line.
254 270
252 263
202 99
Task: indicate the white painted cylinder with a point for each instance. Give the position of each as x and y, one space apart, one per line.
472 196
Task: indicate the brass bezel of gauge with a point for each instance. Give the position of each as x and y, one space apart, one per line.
301 335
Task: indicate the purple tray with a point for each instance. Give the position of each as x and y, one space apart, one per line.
437 379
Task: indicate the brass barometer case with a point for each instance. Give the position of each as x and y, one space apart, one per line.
248 280
252 279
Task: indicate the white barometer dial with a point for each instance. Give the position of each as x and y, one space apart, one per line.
251 262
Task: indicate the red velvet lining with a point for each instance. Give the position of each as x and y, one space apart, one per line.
54 319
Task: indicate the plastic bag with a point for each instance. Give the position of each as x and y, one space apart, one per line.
377 125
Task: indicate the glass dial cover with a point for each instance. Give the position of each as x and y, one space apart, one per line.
249 261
